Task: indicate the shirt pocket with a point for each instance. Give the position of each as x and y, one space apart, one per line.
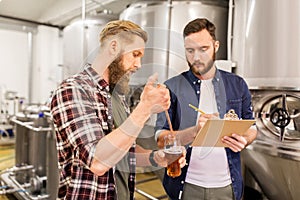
236 105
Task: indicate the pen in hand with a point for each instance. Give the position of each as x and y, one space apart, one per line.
196 109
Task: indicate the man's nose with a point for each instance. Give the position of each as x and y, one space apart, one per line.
138 63
201 56
197 56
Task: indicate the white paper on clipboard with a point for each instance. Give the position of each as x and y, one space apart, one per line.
214 129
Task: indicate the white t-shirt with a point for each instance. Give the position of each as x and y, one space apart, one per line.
208 166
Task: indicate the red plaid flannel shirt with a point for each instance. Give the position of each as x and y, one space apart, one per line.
81 116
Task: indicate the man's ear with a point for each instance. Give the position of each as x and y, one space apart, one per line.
217 45
114 47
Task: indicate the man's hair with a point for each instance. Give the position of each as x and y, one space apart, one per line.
124 29
198 25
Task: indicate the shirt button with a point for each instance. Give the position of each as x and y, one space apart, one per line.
109 117
182 182
198 81
194 82
198 92
232 179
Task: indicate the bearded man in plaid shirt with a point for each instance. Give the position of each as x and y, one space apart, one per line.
94 128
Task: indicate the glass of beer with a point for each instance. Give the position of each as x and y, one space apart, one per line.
173 152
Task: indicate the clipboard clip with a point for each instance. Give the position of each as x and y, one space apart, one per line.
231 115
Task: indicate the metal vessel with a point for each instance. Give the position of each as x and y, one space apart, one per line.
35 174
164 21
265 49
272 161
81 42
266 41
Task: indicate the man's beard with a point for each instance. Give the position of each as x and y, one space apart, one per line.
118 77
206 68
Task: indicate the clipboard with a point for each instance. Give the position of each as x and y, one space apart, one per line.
214 129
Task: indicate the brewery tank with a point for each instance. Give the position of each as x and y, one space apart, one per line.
81 41
266 42
164 21
265 48
35 173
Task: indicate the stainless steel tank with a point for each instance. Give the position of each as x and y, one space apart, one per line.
30 142
164 22
35 174
265 47
81 42
266 38
272 161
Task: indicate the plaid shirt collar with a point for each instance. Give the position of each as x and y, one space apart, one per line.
97 79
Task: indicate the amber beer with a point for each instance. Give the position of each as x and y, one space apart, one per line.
172 156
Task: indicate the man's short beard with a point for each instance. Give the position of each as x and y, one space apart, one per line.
208 67
118 77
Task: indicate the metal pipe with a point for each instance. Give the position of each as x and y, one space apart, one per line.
84 35
16 169
21 188
29 126
168 39
31 21
30 65
229 30
21 168
10 191
83 10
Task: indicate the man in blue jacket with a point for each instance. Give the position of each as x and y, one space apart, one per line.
211 172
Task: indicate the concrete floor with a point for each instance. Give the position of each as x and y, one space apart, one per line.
147 183
7 160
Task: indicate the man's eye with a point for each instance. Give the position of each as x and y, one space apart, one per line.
136 54
203 49
190 50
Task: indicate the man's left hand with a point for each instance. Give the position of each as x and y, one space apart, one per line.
160 159
236 142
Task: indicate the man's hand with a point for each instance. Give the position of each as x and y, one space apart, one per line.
154 96
203 119
159 157
236 142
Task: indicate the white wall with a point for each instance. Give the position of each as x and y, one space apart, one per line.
15 62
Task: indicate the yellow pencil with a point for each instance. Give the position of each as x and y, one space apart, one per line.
197 109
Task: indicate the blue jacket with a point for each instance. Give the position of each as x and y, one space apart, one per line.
231 93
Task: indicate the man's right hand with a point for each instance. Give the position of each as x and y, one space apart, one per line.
204 117
155 96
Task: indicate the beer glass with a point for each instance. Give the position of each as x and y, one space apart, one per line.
173 151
